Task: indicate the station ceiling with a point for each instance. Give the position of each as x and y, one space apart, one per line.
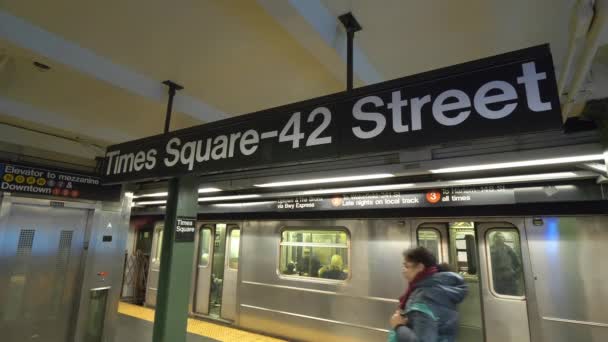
107 59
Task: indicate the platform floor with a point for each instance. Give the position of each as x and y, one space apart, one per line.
135 325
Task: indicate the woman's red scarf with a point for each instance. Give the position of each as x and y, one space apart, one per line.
427 272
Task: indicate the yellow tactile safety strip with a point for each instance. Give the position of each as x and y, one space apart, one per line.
197 327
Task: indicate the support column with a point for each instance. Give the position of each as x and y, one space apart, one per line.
351 25
173 88
171 315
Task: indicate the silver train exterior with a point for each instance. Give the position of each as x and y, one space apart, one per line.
562 298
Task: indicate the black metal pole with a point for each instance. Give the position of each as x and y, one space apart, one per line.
351 25
169 109
350 36
173 88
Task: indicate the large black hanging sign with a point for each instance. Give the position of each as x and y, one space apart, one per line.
37 181
508 94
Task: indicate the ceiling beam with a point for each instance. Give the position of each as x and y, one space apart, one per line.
54 47
29 113
40 141
316 29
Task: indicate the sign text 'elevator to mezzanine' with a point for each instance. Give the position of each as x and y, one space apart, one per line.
503 95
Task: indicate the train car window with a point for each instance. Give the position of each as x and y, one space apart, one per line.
159 245
504 249
204 243
462 245
233 257
315 254
431 240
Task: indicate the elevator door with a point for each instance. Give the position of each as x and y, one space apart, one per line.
40 258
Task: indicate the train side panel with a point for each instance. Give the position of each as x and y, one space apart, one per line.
355 310
568 257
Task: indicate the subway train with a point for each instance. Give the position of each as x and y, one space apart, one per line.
338 279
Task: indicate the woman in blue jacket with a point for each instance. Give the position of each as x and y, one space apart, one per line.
428 309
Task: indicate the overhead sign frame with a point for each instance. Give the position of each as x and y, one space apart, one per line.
512 93
441 197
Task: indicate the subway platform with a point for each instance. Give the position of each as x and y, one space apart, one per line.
135 324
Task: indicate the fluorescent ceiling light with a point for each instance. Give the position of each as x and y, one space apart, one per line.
326 180
156 194
359 189
165 194
225 198
244 204
206 190
523 163
518 178
150 202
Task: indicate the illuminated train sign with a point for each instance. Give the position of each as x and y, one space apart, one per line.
503 95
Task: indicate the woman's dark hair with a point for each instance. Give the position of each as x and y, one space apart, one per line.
420 255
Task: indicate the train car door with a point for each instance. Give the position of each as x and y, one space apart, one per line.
231 268
217 270
154 268
453 242
203 268
502 261
491 256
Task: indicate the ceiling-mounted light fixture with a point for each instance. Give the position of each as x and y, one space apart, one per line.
151 202
225 198
156 194
326 180
360 189
207 190
165 194
523 163
521 178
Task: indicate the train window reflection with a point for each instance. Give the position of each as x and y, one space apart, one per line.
315 254
233 257
506 270
204 241
431 240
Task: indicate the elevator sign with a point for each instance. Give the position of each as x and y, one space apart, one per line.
504 95
17 178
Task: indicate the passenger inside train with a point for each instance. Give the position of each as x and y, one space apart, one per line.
506 266
309 265
428 309
216 289
335 270
315 254
291 268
